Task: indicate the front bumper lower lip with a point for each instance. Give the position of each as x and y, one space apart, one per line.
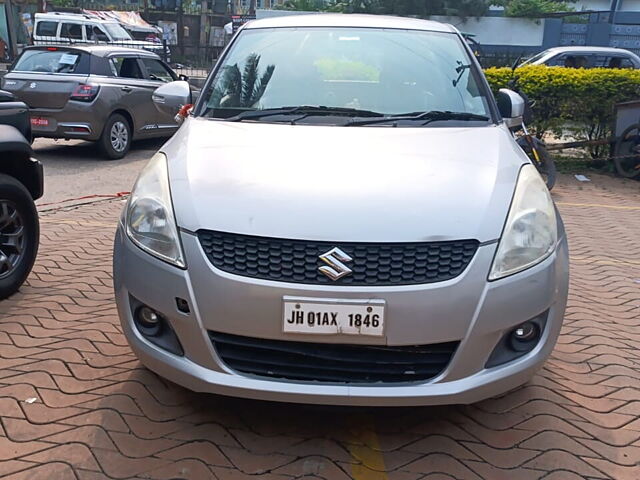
462 382
465 391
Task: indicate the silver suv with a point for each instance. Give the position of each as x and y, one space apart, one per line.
97 93
345 218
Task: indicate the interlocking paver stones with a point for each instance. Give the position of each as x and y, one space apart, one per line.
99 414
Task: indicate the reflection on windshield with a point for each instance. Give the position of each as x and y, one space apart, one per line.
241 90
381 70
535 58
117 32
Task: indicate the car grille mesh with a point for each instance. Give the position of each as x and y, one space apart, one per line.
297 261
332 363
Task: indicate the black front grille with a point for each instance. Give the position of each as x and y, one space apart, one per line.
297 261
332 363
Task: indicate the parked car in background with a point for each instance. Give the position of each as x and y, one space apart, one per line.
147 34
345 218
21 183
151 34
97 93
585 57
77 28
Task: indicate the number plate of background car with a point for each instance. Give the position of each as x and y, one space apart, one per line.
39 122
333 316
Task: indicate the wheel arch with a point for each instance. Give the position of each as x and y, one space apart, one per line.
125 113
16 161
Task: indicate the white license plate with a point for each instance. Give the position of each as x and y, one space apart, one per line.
329 316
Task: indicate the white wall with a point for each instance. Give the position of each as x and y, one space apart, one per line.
629 6
264 13
487 30
593 5
499 30
623 5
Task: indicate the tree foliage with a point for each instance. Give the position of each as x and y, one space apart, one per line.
419 8
533 8
302 5
425 8
577 100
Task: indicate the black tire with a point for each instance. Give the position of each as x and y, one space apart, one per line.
544 164
626 157
115 140
19 235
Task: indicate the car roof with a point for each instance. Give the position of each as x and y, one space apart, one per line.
349 20
98 50
584 49
82 17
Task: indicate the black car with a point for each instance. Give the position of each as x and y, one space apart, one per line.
21 183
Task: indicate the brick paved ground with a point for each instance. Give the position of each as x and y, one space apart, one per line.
98 414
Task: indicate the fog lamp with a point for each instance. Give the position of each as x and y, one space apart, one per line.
523 335
149 321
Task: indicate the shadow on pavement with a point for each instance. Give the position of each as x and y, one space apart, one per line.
83 150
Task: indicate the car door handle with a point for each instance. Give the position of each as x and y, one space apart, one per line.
126 89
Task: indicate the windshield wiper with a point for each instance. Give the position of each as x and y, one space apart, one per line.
430 116
304 110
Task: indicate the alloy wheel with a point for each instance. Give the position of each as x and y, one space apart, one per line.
119 136
12 238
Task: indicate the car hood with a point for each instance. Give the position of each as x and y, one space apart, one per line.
343 183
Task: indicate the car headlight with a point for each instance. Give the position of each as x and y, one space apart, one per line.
150 221
531 232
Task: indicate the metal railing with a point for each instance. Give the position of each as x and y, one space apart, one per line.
498 59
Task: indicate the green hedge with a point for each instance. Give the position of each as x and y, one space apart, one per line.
580 101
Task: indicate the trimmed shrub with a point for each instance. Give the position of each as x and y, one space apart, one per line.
580 101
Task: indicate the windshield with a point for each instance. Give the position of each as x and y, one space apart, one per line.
535 58
51 60
116 31
386 71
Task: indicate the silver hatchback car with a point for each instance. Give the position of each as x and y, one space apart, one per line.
344 218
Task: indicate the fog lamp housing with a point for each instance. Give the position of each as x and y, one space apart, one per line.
518 341
154 327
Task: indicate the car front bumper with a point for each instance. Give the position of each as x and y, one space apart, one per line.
468 309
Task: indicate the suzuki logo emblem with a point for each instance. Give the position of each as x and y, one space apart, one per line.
335 267
33 85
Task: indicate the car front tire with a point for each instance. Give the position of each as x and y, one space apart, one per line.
19 235
115 140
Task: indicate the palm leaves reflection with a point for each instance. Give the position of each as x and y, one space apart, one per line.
244 89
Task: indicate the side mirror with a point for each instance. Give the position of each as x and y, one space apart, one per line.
511 107
183 77
169 98
7 96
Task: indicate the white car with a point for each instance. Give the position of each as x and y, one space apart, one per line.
585 57
56 28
